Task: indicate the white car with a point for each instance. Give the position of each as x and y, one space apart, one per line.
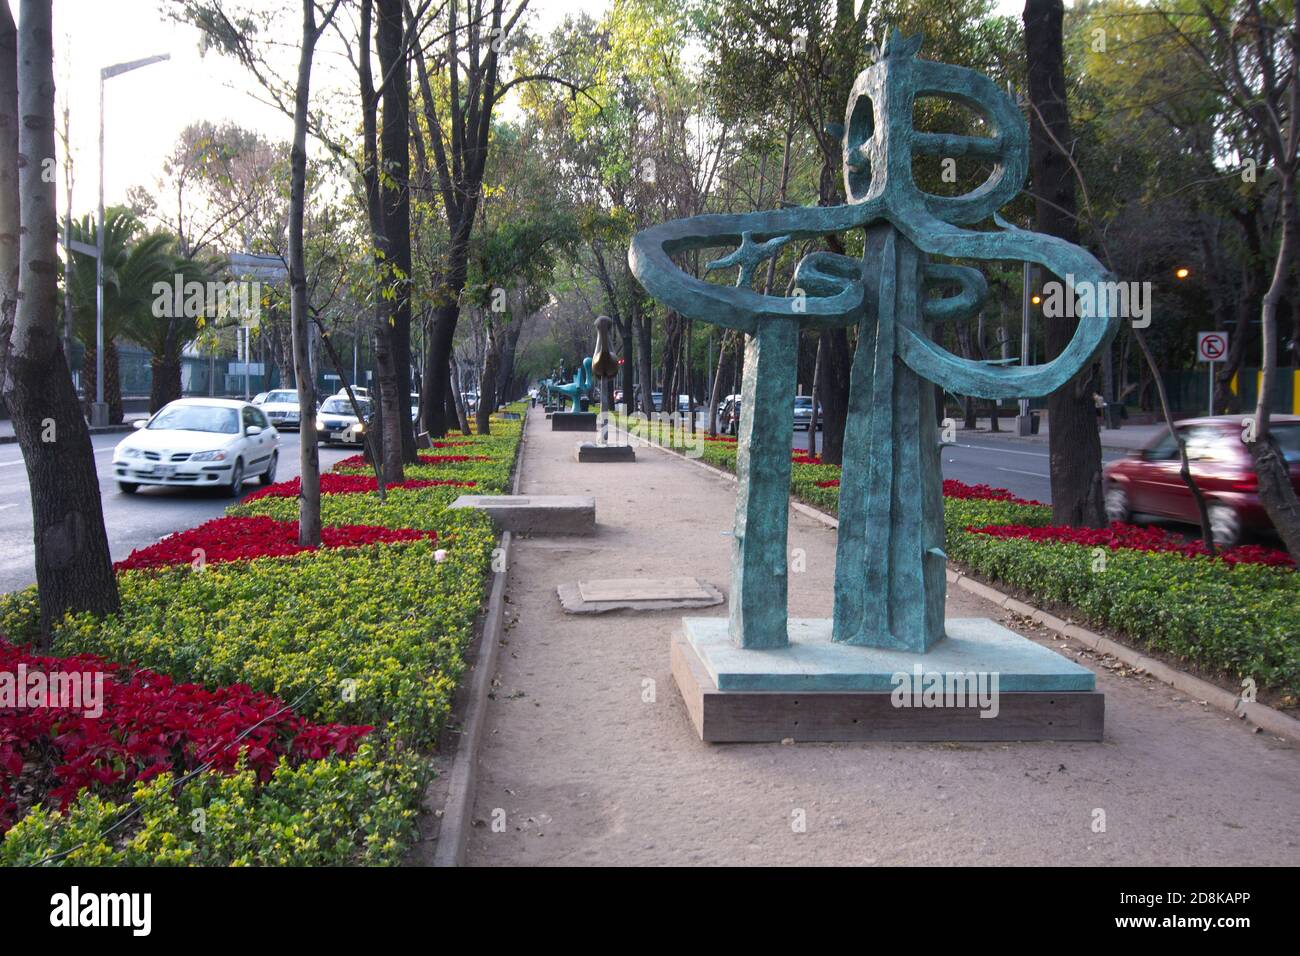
337 421
281 407
199 442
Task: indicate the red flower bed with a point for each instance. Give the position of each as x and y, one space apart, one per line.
722 438
240 539
359 461
1131 537
959 489
332 484
133 725
803 458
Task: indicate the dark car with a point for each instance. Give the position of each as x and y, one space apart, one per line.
1148 482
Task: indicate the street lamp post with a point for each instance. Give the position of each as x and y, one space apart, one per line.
99 410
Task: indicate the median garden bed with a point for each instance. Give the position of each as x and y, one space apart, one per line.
1232 616
265 703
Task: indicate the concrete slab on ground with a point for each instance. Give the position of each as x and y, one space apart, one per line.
637 594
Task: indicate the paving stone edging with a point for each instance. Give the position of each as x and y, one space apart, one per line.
1261 715
462 779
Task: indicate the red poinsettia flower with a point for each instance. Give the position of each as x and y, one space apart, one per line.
332 484
131 725
242 539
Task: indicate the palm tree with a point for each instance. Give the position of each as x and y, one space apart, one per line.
167 334
132 264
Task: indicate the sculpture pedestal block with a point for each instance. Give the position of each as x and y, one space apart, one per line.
982 682
573 422
588 452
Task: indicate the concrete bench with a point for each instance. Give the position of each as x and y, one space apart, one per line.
536 514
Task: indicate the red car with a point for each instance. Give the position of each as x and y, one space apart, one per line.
1148 483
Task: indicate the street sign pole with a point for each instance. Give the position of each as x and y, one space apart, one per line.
1210 348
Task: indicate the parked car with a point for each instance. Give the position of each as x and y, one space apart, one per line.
1148 483
337 421
722 404
415 405
803 410
281 407
199 442
730 420
259 398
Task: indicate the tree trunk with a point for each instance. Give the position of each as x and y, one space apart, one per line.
165 381
74 571
641 326
1276 493
309 455
395 151
1074 440
456 413
487 388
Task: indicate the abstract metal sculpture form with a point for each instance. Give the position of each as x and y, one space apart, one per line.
578 389
890 567
604 366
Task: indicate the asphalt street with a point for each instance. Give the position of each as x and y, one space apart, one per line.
133 521
986 459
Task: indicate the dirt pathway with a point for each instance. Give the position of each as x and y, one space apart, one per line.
589 757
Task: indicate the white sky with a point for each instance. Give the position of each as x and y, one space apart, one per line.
146 109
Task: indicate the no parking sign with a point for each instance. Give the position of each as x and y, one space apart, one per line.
1211 346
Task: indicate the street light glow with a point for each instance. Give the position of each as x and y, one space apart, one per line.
1182 272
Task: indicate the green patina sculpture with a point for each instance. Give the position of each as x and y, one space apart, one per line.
889 575
578 389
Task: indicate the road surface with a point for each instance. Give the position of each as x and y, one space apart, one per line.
133 521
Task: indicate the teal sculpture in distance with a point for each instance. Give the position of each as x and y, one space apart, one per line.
579 388
890 584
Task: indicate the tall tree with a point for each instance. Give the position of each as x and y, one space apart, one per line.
1073 438
457 121
237 34
73 569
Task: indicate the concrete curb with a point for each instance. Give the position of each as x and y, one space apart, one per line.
462 779
1260 715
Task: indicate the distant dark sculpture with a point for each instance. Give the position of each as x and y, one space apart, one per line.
890 567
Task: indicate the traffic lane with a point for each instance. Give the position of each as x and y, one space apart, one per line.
132 521
1023 472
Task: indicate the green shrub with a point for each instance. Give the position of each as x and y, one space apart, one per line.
368 636
332 812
